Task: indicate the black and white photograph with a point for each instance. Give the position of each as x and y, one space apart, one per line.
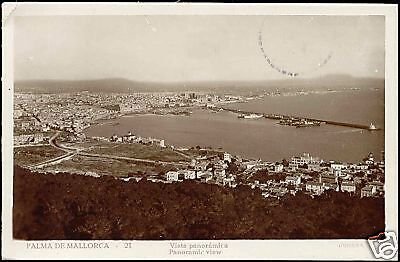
197 130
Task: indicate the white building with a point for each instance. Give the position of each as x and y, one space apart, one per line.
190 174
293 180
204 176
162 143
227 157
278 168
306 158
219 172
348 186
172 176
368 191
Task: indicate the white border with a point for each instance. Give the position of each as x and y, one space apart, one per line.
238 249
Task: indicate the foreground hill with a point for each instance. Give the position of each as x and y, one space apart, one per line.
119 85
66 206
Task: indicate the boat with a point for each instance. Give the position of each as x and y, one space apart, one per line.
372 127
253 116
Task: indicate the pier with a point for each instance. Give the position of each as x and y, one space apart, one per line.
281 117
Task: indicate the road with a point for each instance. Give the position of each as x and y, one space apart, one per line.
70 152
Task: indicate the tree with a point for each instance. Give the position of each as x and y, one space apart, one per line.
232 168
285 163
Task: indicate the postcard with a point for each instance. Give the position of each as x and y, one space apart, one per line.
199 131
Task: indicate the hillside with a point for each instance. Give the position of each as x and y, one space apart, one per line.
66 206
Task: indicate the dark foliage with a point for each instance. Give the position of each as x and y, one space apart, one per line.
65 206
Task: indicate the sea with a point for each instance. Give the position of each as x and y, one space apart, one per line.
264 138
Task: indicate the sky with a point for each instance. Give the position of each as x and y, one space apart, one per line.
196 47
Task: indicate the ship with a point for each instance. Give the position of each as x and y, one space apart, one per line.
253 116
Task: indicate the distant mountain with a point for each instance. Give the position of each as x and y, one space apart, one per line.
120 85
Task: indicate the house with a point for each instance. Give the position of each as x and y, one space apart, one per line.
348 186
190 174
227 157
358 180
368 191
203 174
172 176
250 164
314 167
327 178
228 181
379 187
293 180
331 186
38 137
220 164
219 172
129 137
23 139
278 168
293 166
278 192
315 187
162 143
201 166
338 166
362 167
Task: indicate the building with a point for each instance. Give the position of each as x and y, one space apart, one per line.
219 172
293 166
17 113
293 180
204 176
336 168
172 176
250 164
331 186
227 157
379 187
162 143
368 191
315 187
201 166
327 178
228 181
314 166
348 186
129 137
306 158
190 174
23 139
278 168
362 167
38 137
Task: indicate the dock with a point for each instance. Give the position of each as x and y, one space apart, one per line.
280 117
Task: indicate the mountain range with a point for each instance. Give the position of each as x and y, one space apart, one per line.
121 85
